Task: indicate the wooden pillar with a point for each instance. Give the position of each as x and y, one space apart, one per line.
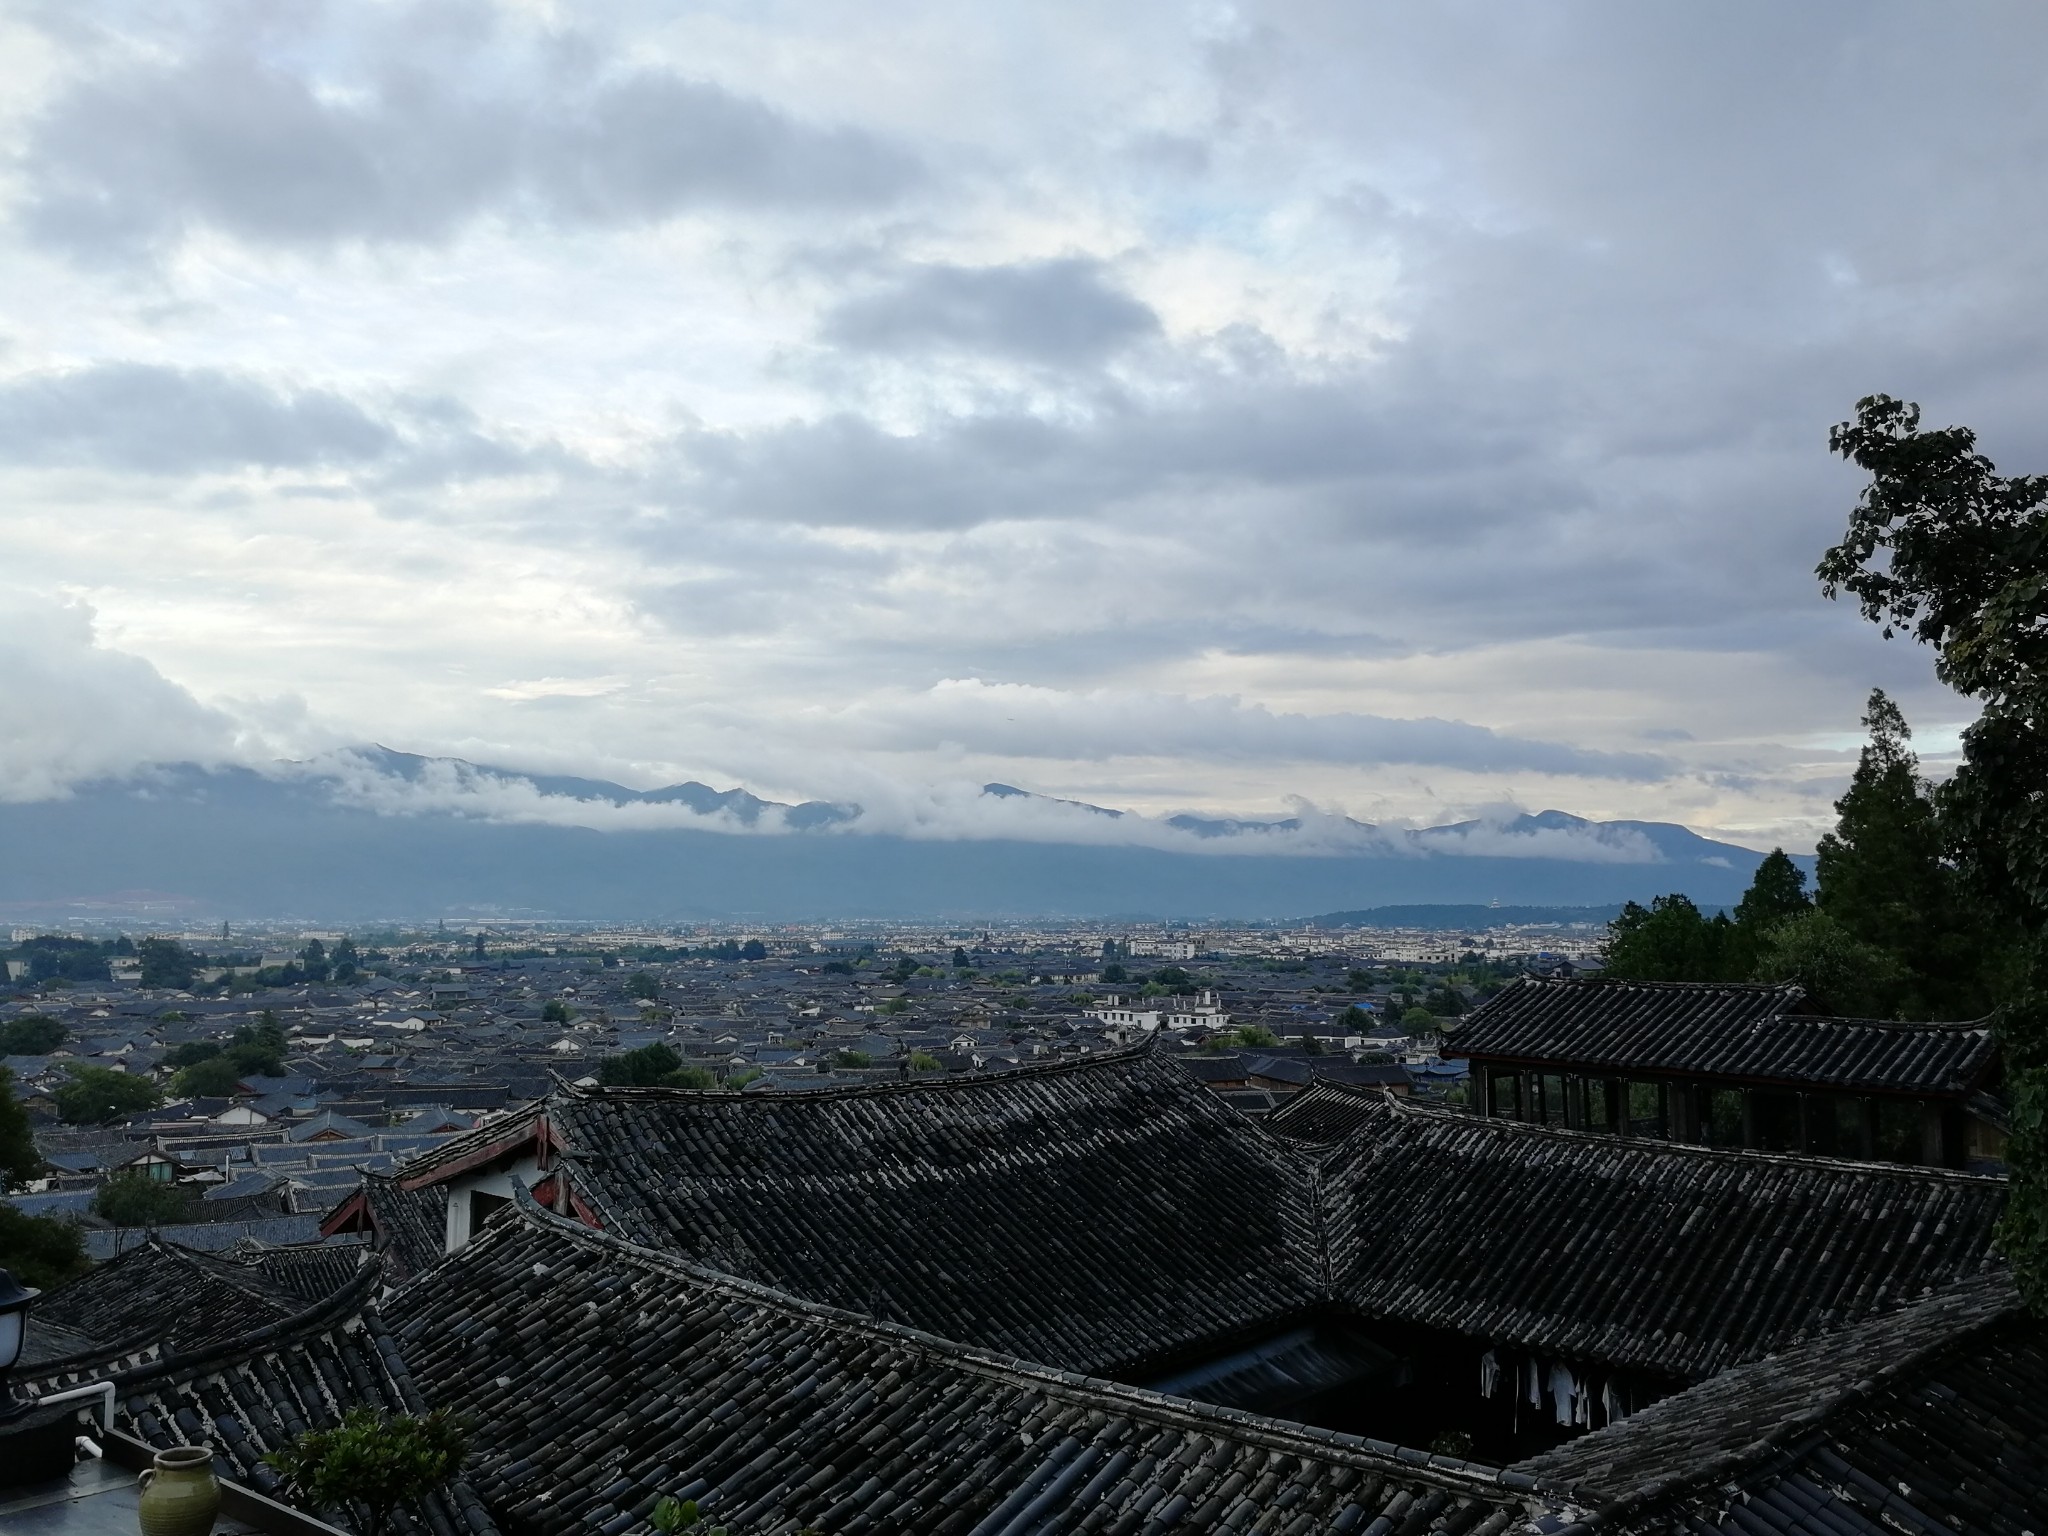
1617 1105
1930 1135
1806 1122
1686 1121
1748 1117
1866 1131
1955 1137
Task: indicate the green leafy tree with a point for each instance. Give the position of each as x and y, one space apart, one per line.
372 1466
1777 894
1838 970
1171 976
1670 940
42 1251
1419 1021
646 1067
1444 1002
853 1059
1354 1017
166 963
191 1053
690 1077
753 949
960 961
98 1095
1311 1045
744 1076
642 985
555 1011
217 1077
136 1200
1114 972
1884 878
255 1050
1253 1035
33 1034
347 960
1942 547
925 1061
19 1160
313 961
54 958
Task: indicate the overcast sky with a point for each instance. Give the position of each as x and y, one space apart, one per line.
1409 408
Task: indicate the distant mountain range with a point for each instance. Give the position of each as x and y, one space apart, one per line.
1467 916
377 834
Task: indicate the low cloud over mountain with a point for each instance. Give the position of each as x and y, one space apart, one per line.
372 832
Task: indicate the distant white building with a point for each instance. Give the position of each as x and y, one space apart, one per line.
1202 1011
1156 947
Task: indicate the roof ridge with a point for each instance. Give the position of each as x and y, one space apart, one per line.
1504 1127
1902 1025
842 1091
1282 1434
1675 986
2001 1301
312 1319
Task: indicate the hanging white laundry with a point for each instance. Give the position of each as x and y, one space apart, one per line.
1582 1406
1489 1374
1564 1391
1535 1384
1611 1400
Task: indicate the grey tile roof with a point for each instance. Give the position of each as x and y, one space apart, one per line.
1325 1113
650 1375
1933 1420
1743 1418
254 1394
408 1226
1092 1215
306 1273
1652 1254
164 1293
207 1236
1720 1031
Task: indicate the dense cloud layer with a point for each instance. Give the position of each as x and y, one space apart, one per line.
1404 408
1060 312
157 420
405 141
79 710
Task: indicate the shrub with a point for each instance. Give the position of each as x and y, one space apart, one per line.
371 1465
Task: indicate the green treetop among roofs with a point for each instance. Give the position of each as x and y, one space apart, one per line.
1889 933
1932 900
1943 547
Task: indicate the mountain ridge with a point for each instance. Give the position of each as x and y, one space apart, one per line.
378 833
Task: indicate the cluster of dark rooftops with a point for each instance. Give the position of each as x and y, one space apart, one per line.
1091 1297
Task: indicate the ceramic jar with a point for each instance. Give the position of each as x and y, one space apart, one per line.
180 1494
